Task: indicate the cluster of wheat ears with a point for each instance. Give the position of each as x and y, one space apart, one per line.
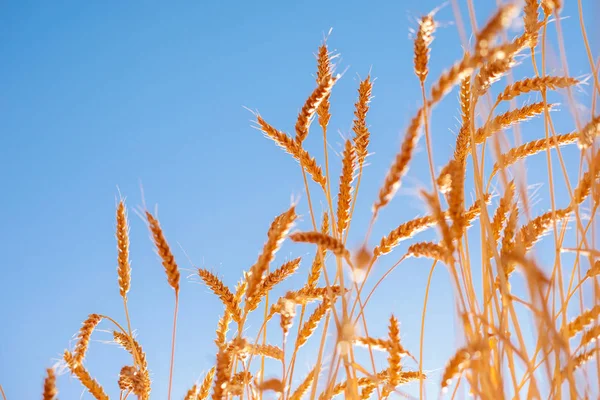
495 361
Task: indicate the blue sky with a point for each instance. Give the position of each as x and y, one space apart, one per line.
96 96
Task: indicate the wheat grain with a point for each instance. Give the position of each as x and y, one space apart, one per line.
536 84
124 268
400 166
164 251
345 192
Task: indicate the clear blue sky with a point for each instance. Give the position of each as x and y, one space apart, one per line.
95 95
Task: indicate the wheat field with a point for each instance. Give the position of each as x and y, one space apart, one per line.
527 319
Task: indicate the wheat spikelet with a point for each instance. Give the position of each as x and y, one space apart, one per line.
274 240
310 107
400 166
319 260
295 150
84 377
491 72
503 210
132 346
222 293
582 321
204 389
373 343
323 75
422 42
590 336
267 350
123 269
126 377
510 229
328 242
222 368
456 198
222 329
584 187
394 357
311 324
404 231
429 250
458 363
578 361
438 215
345 193
308 294
361 132
339 388
530 148
367 391
278 276
501 19
451 77
594 270
509 118
303 387
536 84
192 393
50 391
590 131
272 384
164 251
464 95
85 333
240 289
140 380
534 229
530 21
550 6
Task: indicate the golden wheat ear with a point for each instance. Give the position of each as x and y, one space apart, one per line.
164 252
50 391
